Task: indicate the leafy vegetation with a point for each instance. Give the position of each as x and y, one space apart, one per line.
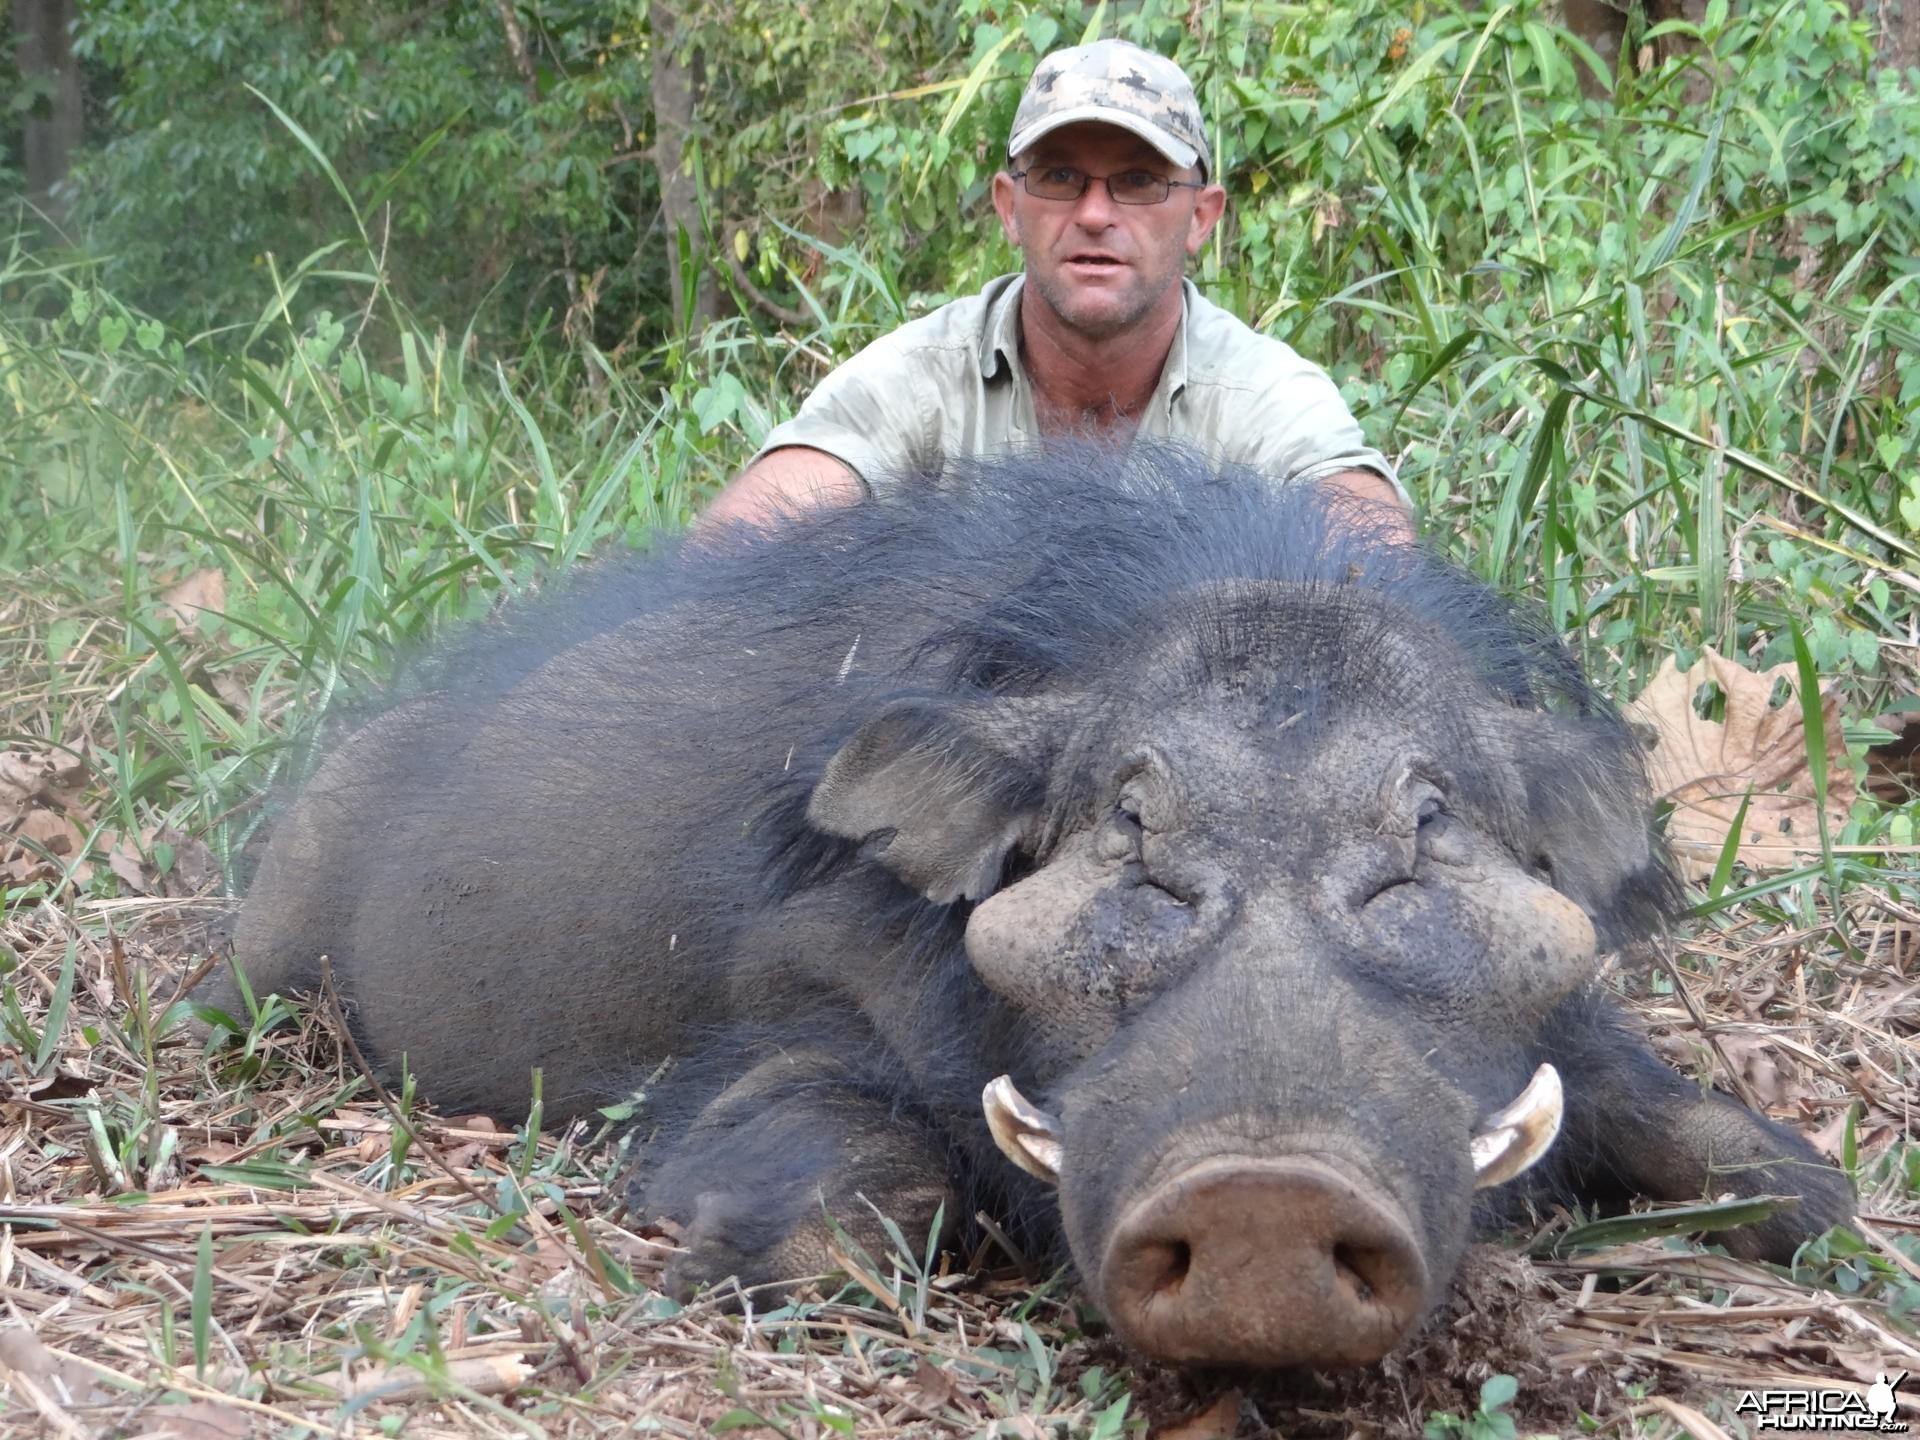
1488 1422
388 336
482 185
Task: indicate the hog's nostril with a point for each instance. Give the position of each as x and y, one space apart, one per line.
1240 1261
1177 1264
1350 1265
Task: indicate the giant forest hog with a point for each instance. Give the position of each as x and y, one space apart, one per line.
1138 853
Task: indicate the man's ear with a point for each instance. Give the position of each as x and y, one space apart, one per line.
1589 824
1209 205
1003 187
941 791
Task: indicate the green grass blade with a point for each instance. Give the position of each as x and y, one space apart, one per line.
1655 1224
201 1313
57 1006
1813 717
1729 849
1522 492
307 143
1683 218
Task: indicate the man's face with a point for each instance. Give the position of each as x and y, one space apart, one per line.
1100 266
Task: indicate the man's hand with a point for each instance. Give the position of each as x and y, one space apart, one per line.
793 478
1371 501
797 478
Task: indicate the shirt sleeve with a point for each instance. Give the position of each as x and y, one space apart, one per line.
867 414
1256 402
1303 430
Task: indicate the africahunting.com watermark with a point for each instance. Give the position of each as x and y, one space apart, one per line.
1826 1409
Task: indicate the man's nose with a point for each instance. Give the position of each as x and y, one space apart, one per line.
1094 209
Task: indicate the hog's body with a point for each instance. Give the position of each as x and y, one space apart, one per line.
1271 861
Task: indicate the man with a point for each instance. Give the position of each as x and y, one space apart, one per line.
1106 195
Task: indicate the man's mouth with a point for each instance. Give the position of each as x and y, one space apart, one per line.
1095 263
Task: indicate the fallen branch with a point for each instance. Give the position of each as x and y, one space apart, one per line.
785 314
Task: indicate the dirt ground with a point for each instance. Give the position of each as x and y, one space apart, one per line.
266 1243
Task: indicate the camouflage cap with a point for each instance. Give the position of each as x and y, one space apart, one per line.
1115 83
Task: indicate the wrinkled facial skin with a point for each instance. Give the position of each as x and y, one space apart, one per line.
1099 266
1285 969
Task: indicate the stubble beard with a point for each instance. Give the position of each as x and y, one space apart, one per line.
1060 299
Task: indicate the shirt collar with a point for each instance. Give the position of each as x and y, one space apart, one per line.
1000 342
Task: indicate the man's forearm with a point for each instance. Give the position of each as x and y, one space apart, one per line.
786 481
1373 503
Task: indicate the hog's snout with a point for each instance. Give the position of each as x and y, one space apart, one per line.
1269 1262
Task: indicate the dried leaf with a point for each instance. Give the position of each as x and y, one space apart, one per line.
194 870
1869 1134
61 1085
64 1381
131 871
1754 1057
136 861
469 1137
462 1157
1217 1422
475 1127
542 1262
1706 767
40 794
210 1152
55 835
31 779
232 692
371 1149
52 832
202 590
935 1385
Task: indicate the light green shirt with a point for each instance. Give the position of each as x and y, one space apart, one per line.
951 384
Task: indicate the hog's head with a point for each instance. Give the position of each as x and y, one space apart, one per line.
1283 896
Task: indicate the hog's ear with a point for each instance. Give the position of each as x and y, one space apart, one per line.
1589 823
940 791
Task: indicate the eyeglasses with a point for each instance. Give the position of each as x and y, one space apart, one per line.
1129 187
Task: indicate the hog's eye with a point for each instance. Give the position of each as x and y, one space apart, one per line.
1439 835
1128 843
1120 840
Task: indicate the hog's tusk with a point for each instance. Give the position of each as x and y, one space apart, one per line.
1025 1133
1513 1138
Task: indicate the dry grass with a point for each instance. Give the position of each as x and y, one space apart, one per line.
260 1244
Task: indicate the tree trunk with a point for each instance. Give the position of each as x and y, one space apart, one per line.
1611 25
1603 26
1896 30
675 92
44 43
1608 24
517 48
